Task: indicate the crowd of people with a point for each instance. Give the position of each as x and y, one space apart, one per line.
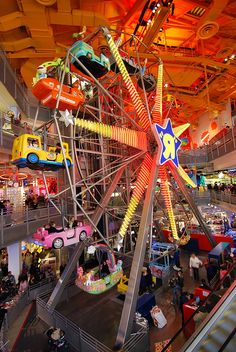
32 269
222 187
214 274
5 206
34 201
32 272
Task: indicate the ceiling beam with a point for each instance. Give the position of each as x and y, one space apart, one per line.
213 11
63 6
11 21
138 5
33 54
154 29
229 92
194 3
168 56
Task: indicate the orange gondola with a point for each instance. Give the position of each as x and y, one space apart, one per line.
46 91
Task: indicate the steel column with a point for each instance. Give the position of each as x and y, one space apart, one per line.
62 282
193 206
126 322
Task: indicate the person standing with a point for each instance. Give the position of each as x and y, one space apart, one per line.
195 263
176 290
226 224
176 259
180 277
211 270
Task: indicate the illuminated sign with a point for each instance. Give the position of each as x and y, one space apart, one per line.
168 143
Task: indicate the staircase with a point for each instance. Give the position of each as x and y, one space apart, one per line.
218 332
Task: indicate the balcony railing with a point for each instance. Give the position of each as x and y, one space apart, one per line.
18 91
14 87
193 157
222 146
221 196
18 225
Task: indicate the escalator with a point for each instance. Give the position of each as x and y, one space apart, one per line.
217 333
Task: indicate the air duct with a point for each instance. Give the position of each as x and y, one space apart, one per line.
207 26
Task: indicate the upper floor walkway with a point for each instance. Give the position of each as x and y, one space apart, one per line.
213 156
21 224
18 91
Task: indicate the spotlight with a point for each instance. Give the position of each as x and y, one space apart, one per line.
152 6
166 85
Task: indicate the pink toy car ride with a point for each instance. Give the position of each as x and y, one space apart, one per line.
59 239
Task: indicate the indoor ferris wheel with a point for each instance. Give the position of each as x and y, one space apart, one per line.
109 108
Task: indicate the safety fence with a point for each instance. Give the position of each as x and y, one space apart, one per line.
201 198
79 339
194 157
15 216
18 91
3 338
21 224
223 145
221 196
13 313
139 340
10 81
22 300
37 289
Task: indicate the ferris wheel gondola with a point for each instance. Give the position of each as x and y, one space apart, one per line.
97 280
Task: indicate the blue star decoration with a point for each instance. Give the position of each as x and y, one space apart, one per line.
168 143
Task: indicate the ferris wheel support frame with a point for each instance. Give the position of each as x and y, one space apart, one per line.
62 282
105 91
129 308
71 187
193 207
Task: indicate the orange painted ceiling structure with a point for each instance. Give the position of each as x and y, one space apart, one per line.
196 42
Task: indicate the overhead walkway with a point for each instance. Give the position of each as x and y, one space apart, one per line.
218 331
19 225
18 91
225 144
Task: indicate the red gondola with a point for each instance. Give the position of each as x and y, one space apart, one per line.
46 90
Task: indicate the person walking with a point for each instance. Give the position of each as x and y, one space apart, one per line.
195 263
180 276
176 290
211 270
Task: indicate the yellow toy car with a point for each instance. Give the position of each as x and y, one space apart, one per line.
122 287
27 151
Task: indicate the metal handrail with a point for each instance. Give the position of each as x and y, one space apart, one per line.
227 341
212 317
14 217
88 339
217 286
223 145
223 197
83 335
41 283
